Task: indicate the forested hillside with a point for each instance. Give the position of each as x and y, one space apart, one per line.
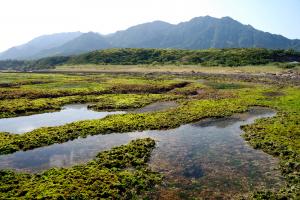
210 57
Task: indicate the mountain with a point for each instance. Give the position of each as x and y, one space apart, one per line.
148 35
84 43
198 33
33 47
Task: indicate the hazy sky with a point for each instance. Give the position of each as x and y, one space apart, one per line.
22 20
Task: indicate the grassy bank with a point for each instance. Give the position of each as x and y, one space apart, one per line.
24 106
280 136
107 176
214 97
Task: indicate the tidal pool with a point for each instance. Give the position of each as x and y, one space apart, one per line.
204 159
68 114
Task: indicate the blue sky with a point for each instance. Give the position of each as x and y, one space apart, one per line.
23 20
276 16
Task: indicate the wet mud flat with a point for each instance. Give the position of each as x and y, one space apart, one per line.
204 159
158 106
289 77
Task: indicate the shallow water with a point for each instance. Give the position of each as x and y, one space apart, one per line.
208 158
68 114
158 106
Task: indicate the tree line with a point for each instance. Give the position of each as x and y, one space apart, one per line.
134 56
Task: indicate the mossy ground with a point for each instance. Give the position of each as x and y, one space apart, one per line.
106 177
279 136
129 101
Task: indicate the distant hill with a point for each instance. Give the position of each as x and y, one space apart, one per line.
35 46
84 43
134 56
198 33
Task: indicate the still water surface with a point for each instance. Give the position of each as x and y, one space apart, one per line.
68 114
208 158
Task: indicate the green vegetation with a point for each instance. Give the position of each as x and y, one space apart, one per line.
23 106
36 64
290 65
186 113
13 64
210 57
71 85
222 86
125 101
214 97
280 136
34 93
107 176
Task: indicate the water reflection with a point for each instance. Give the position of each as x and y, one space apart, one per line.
208 158
68 114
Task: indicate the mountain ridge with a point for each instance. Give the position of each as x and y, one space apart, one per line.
85 42
198 33
37 44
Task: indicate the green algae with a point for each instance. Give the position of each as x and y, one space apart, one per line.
129 101
279 136
72 85
23 106
120 173
189 111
